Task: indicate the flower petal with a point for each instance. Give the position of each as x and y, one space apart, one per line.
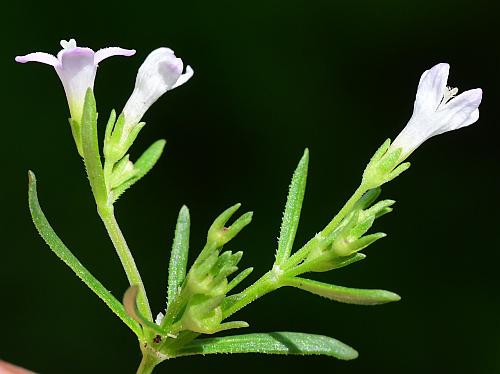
462 110
104 53
160 72
474 116
431 87
467 99
184 77
77 73
44 58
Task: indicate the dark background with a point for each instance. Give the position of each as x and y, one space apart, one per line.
271 78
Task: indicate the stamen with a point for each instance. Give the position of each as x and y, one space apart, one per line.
449 94
68 44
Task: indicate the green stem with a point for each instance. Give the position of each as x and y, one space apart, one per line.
126 258
267 283
304 251
345 209
148 363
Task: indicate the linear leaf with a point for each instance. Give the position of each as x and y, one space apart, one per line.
285 343
58 247
130 305
179 254
344 294
142 166
90 149
293 206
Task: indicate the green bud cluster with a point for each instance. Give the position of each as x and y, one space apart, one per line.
206 283
340 248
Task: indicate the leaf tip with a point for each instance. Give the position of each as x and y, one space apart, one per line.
129 299
184 210
161 142
351 355
392 296
31 177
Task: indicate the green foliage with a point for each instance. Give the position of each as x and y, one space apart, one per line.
344 294
200 299
90 149
291 216
197 304
179 255
284 343
55 243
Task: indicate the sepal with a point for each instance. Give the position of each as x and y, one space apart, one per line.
347 247
141 167
122 172
76 131
218 234
383 166
204 315
119 137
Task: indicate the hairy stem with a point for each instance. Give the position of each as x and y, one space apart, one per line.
267 283
148 363
126 258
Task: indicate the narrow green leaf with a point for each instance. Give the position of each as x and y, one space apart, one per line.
130 304
344 294
143 165
285 343
293 206
179 254
58 247
90 148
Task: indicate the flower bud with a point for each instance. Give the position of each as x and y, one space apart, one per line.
159 73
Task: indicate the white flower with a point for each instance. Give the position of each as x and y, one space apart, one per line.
76 67
437 110
159 73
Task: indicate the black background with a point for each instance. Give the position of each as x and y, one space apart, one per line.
271 78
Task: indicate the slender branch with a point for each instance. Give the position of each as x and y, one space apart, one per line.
304 251
148 363
126 258
267 283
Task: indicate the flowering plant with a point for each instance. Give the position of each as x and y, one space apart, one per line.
200 299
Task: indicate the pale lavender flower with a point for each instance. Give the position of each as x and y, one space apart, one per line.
159 73
76 67
437 110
